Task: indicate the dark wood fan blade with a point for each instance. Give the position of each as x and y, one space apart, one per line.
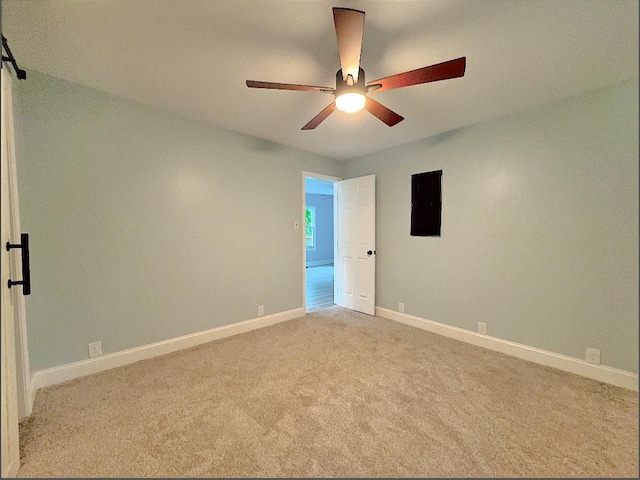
288 86
389 117
441 71
318 119
349 32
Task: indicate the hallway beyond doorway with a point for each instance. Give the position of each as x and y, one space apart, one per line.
319 287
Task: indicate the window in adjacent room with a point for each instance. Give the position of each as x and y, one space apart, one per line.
310 227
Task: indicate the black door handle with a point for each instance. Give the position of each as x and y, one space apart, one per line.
371 252
26 273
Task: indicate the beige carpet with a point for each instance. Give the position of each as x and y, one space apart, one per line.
333 394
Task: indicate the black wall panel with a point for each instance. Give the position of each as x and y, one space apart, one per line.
426 204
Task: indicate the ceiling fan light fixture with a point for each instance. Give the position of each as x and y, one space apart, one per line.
351 92
350 95
350 102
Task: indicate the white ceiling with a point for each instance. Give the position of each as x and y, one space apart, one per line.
192 57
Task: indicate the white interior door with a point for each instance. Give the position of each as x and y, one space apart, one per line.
9 401
355 269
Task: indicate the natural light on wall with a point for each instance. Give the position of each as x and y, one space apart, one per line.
350 102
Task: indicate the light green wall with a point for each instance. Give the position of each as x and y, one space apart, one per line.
144 225
539 226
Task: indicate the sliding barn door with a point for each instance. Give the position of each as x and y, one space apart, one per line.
355 271
10 455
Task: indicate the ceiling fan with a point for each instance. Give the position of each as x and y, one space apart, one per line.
351 92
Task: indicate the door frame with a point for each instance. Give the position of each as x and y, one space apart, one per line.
317 176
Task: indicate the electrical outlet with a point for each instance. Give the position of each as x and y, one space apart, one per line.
260 310
593 356
95 349
400 307
482 328
296 225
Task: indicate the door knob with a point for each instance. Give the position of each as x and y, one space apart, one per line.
371 252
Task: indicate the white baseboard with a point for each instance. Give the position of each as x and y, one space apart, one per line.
11 470
63 373
613 376
319 263
52 376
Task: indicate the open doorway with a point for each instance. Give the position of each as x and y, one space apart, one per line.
319 241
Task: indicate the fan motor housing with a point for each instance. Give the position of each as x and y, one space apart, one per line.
342 86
